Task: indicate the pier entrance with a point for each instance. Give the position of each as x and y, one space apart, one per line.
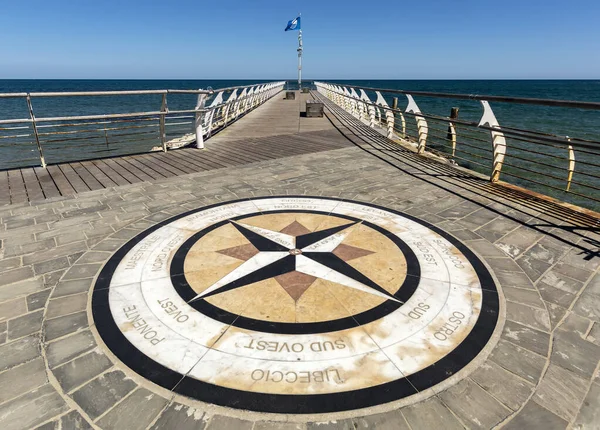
298 273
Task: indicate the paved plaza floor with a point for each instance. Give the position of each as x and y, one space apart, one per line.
357 287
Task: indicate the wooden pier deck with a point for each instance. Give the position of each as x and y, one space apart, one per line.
536 367
264 134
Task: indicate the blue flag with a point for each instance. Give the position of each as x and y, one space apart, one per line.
294 24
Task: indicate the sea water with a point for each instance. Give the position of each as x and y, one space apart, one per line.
578 123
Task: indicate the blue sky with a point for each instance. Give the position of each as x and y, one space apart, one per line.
393 39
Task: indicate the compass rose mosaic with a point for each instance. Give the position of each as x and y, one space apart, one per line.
295 305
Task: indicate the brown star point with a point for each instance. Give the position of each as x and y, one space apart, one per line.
348 252
295 229
241 252
295 283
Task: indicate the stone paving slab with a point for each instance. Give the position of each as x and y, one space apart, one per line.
542 373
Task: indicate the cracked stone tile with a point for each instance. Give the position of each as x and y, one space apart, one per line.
32 409
431 414
588 305
589 414
222 422
519 361
103 392
556 314
594 335
63 325
517 241
473 405
505 386
561 392
576 273
67 348
532 317
534 416
555 295
22 379
181 417
527 337
573 353
25 325
576 324
146 404
512 279
526 297
532 267
13 308
81 370
393 420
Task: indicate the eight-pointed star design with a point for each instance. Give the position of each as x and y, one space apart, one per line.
277 254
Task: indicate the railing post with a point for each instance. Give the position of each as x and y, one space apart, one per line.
198 122
241 107
498 141
399 113
340 97
422 127
389 115
369 111
162 129
355 106
571 165
35 132
230 101
452 130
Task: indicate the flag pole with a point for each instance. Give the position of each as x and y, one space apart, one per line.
300 57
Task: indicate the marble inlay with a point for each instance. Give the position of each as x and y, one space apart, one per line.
336 304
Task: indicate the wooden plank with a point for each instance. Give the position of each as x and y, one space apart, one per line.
133 169
86 176
156 165
134 161
120 175
221 158
61 181
296 145
34 190
206 158
203 157
99 175
193 163
245 156
265 152
18 193
170 163
274 151
49 188
4 188
178 163
76 182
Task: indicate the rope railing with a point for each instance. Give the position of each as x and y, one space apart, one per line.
56 139
567 167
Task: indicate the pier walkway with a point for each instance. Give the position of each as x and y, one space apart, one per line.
235 145
87 320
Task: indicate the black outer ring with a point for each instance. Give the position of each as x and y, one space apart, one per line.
404 292
448 365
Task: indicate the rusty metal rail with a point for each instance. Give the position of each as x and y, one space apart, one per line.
31 141
566 167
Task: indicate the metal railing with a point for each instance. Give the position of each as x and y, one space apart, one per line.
33 141
565 167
